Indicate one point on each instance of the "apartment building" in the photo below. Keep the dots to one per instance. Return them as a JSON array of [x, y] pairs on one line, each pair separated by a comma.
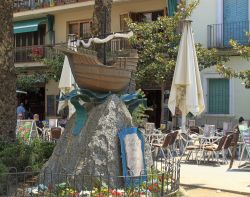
[[215, 22], [39, 24]]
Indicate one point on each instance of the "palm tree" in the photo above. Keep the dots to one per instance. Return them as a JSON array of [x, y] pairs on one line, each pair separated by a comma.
[[101, 21], [7, 72]]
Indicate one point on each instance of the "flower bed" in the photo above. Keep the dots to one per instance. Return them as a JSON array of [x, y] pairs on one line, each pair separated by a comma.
[[161, 181]]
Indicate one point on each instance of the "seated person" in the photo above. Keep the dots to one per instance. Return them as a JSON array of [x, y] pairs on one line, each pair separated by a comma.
[[39, 123], [236, 127]]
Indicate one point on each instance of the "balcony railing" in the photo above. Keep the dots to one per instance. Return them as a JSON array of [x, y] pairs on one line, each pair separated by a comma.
[[117, 47], [31, 53], [23, 5], [219, 35]]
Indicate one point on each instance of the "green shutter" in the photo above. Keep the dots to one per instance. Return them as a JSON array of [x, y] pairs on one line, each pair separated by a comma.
[[172, 5], [218, 96], [235, 21]]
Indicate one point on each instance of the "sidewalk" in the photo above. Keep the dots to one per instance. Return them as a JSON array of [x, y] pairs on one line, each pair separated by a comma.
[[217, 177]]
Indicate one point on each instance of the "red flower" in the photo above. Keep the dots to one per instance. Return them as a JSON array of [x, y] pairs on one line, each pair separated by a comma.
[[116, 193], [50, 187]]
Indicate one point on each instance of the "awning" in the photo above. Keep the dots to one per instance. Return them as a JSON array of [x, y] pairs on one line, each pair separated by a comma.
[[28, 25]]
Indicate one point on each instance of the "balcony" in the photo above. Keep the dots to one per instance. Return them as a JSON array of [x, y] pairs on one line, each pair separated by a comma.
[[219, 35], [23, 5], [31, 53]]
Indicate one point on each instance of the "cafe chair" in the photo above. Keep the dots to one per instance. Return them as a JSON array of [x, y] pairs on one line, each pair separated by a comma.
[[190, 146], [163, 147], [226, 146], [214, 149], [172, 144]]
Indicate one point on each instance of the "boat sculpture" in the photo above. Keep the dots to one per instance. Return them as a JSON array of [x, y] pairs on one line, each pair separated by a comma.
[[90, 73]]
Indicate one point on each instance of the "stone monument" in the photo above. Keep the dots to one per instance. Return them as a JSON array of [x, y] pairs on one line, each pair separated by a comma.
[[96, 150]]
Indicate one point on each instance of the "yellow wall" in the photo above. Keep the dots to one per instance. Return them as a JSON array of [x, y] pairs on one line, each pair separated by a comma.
[[62, 18], [140, 6]]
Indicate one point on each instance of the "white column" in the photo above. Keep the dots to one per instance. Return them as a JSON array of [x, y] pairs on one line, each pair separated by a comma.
[[219, 20], [219, 16]]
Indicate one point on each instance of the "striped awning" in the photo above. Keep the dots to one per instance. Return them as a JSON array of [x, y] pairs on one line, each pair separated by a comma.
[[28, 25]]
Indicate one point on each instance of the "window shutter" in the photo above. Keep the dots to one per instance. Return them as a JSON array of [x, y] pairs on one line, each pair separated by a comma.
[[51, 105], [218, 100], [235, 19], [172, 5], [123, 24]]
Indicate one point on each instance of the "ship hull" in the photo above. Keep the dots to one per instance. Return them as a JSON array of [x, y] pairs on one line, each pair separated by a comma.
[[91, 74]]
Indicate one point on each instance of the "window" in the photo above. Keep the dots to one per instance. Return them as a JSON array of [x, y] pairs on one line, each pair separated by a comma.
[[52, 104], [146, 16], [139, 17], [81, 28], [218, 96], [235, 21], [25, 42], [31, 38], [123, 23]]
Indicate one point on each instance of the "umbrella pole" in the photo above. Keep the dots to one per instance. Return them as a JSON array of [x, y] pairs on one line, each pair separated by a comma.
[[183, 122]]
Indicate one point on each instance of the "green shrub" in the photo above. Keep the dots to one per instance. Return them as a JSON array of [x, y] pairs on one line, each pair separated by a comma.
[[15, 155], [21, 155], [3, 186]]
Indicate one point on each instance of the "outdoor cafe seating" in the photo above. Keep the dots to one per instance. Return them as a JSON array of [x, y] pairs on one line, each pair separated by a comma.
[[208, 144]]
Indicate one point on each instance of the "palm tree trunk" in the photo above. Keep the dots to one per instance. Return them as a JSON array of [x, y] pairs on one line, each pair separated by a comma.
[[101, 22], [7, 72]]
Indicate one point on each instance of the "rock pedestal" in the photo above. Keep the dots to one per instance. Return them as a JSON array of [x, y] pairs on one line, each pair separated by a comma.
[[95, 151]]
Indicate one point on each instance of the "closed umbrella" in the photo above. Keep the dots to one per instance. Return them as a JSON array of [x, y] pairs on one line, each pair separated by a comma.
[[66, 84], [186, 90]]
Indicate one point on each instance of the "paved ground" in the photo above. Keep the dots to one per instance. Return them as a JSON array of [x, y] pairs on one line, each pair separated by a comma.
[[217, 177], [199, 192]]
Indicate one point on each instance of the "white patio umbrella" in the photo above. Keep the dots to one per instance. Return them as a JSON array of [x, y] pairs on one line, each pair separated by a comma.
[[186, 90], [66, 84]]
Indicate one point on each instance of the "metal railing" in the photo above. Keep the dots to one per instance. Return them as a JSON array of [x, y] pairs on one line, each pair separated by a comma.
[[31, 53], [219, 35], [162, 180], [116, 47], [34, 4]]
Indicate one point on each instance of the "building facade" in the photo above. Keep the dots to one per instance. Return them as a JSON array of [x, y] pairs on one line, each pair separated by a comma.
[[215, 22], [38, 25]]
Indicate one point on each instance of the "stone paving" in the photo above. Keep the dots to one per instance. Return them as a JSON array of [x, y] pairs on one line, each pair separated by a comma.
[[216, 177]]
